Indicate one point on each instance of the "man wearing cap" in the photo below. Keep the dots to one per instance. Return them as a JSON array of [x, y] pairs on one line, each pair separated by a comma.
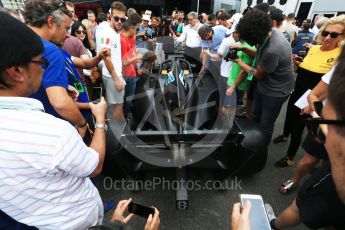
[[144, 33], [53, 29], [45, 166]]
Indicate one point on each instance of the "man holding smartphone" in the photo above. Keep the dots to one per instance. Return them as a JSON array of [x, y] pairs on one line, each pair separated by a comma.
[[119, 219]]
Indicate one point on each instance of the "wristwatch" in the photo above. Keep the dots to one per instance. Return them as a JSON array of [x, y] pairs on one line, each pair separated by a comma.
[[101, 126]]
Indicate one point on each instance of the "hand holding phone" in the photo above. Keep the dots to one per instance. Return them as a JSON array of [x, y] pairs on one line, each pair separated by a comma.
[[120, 210], [140, 210], [153, 221], [318, 105], [297, 58], [240, 217], [98, 93], [257, 217]]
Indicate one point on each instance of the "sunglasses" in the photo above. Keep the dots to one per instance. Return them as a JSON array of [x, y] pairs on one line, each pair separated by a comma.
[[332, 34], [313, 126], [61, 6], [80, 31], [118, 19], [43, 62]]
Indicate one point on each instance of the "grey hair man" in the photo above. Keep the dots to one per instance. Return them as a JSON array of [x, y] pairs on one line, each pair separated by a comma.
[[51, 20], [45, 166], [191, 39]]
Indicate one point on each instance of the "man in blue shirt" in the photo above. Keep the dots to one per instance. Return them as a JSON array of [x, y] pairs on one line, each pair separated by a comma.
[[144, 33], [53, 91], [211, 38]]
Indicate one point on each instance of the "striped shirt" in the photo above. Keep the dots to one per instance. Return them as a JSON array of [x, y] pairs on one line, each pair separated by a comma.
[[44, 168]]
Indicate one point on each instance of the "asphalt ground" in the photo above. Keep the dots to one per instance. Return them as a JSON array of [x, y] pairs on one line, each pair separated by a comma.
[[208, 208]]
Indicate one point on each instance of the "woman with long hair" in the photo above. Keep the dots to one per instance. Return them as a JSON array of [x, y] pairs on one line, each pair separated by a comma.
[[79, 30]]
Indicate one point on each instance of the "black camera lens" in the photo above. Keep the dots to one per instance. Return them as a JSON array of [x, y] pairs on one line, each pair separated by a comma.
[[231, 55]]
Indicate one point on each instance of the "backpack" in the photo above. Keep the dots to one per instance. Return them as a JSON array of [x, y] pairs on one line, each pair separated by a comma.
[[298, 45]]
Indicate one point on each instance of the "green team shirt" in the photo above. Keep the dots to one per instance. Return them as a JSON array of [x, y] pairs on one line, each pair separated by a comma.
[[236, 69]]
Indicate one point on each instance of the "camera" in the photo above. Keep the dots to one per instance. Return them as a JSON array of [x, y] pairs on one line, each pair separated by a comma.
[[147, 34], [231, 55]]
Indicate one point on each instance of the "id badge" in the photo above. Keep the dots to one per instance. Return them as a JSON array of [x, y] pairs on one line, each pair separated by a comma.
[[79, 87]]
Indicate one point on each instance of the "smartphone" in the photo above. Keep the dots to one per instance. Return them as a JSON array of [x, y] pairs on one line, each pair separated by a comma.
[[258, 217], [97, 95], [318, 105], [298, 58], [140, 210]]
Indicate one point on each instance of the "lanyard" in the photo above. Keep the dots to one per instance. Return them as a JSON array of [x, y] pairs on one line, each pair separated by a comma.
[[77, 84], [70, 70], [257, 55]]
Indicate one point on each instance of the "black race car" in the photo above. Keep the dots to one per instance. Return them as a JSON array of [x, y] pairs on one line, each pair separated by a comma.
[[176, 121]]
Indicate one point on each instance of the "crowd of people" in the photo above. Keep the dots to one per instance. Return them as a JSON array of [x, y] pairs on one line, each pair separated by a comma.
[[54, 136]]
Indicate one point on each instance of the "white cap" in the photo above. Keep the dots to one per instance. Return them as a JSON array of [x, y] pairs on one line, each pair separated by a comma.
[[146, 17]]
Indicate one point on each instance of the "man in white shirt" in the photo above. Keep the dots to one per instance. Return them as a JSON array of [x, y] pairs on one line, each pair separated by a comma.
[[190, 34], [225, 20], [235, 19], [108, 35], [192, 39], [45, 166], [290, 28]]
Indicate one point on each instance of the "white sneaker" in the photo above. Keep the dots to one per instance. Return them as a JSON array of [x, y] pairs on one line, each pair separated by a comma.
[[270, 212]]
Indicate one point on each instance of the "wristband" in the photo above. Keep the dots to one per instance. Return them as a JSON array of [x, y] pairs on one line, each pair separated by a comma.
[[82, 126], [101, 126]]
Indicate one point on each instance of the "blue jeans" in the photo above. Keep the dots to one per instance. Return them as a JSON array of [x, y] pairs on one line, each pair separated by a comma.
[[129, 92], [265, 110], [239, 96]]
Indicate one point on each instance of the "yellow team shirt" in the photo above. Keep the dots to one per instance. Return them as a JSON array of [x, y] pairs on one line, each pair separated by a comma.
[[318, 61]]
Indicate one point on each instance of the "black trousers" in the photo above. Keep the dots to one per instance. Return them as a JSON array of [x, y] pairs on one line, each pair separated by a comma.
[[294, 122]]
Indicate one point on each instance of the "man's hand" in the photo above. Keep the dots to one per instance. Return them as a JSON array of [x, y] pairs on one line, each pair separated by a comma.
[[202, 70], [82, 130], [230, 90], [138, 57], [240, 221], [118, 85], [73, 93], [120, 210], [237, 47], [104, 52], [207, 52], [140, 72], [153, 222], [237, 60], [99, 110]]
